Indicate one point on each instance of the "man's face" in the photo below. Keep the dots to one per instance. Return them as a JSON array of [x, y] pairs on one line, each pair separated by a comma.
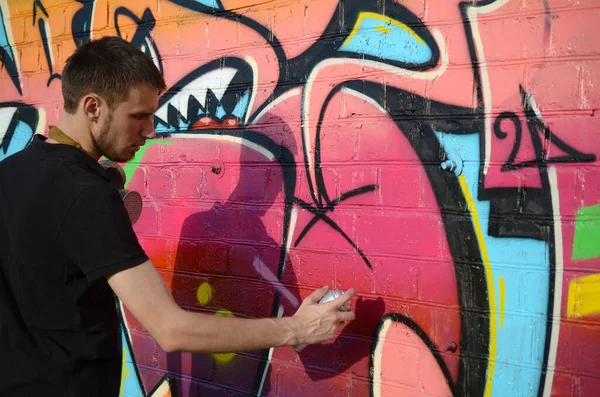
[[128, 125]]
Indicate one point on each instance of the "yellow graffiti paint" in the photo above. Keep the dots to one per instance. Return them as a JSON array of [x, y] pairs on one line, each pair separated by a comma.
[[385, 21], [490, 284], [223, 358], [164, 390], [584, 296], [502, 288], [383, 29], [204, 293], [124, 371]]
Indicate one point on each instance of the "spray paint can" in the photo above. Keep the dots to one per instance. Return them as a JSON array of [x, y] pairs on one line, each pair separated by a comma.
[[328, 297], [131, 199]]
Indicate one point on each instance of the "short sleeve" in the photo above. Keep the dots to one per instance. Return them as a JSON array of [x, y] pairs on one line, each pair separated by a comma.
[[97, 235]]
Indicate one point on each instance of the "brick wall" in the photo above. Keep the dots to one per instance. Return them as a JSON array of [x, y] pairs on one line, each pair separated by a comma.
[[301, 144]]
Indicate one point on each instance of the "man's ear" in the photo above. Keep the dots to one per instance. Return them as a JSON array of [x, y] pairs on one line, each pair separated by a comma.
[[91, 105]]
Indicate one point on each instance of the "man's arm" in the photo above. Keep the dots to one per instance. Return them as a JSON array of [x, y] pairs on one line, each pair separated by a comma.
[[143, 291]]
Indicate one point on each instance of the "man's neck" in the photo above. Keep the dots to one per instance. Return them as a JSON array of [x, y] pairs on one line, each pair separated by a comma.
[[78, 132]]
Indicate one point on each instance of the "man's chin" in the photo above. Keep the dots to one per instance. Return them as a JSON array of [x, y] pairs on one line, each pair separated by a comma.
[[122, 158]]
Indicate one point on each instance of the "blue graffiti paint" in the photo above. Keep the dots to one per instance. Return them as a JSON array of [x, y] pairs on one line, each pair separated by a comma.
[[387, 39], [19, 138], [242, 106], [199, 5], [131, 384], [220, 112], [524, 266], [4, 38], [209, 3], [7, 56]]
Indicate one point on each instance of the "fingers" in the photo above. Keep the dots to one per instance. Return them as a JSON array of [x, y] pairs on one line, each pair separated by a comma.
[[343, 299], [316, 296], [346, 316]]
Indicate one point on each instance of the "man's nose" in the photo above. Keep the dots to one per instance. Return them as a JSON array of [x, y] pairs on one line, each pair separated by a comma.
[[149, 131]]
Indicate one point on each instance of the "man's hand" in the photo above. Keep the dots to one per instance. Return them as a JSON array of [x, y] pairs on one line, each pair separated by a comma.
[[316, 322], [143, 291]]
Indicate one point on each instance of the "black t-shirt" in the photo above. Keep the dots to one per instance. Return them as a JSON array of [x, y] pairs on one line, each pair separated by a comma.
[[63, 229]]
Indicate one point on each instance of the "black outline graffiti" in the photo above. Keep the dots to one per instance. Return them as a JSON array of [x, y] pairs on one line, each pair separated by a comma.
[[45, 40], [536, 127], [529, 208], [470, 274], [81, 25], [242, 82], [24, 113], [7, 58], [514, 212], [321, 214], [288, 167], [399, 318], [274, 43], [172, 384], [142, 37]]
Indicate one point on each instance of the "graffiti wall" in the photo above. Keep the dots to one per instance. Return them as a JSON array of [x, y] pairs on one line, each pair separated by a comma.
[[439, 156]]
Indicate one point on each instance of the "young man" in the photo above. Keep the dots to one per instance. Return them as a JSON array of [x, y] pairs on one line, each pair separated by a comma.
[[66, 245]]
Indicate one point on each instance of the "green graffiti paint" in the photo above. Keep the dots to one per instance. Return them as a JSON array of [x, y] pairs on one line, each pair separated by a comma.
[[132, 166], [587, 233]]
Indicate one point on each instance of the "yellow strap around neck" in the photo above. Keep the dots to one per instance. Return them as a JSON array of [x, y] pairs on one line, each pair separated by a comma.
[[61, 137]]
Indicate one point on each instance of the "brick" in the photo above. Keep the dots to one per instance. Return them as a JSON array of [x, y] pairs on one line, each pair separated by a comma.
[[210, 390], [189, 150], [571, 33], [241, 258], [146, 350], [565, 385], [356, 178], [184, 288], [10, 92], [591, 189], [206, 257], [153, 377], [436, 282], [554, 86], [188, 182], [239, 373], [160, 251], [309, 268], [578, 341], [199, 366], [243, 297], [337, 142], [393, 276], [405, 233], [589, 385], [401, 186], [512, 38], [251, 186], [147, 224], [200, 220], [294, 382], [38, 82], [260, 225], [590, 79], [321, 236], [30, 57], [18, 29], [159, 183]]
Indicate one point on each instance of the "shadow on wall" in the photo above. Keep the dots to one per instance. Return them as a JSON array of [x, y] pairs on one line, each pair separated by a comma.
[[233, 231]]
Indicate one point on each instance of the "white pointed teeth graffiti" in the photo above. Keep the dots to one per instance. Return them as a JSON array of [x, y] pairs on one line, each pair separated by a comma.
[[213, 96]]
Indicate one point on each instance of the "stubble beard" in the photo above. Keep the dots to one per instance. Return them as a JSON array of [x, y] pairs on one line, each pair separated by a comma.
[[104, 141]]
